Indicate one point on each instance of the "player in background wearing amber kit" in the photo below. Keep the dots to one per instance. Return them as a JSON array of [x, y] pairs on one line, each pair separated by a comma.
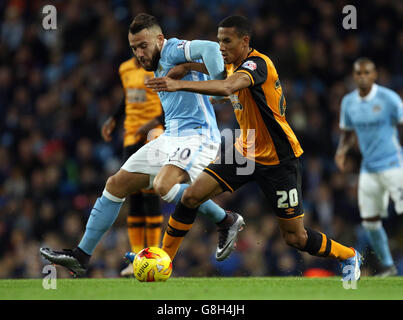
[[142, 113], [266, 140], [372, 114]]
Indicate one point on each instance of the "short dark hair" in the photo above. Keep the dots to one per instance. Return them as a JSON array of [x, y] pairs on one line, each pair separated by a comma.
[[365, 60], [242, 26], [143, 21]]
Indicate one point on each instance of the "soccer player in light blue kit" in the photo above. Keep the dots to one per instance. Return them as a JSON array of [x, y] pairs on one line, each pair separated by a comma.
[[190, 142], [374, 113]]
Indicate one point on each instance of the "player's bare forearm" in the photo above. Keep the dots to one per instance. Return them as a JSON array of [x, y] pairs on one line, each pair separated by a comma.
[[347, 142], [211, 87], [225, 87]]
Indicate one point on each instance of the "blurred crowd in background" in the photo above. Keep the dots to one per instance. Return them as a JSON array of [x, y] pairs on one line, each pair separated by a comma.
[[57, 87]]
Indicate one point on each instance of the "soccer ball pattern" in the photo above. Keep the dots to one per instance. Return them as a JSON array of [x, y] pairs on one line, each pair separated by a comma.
[[152, 264]]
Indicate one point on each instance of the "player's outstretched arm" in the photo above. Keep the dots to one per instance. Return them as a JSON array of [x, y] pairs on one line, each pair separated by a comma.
[[224, 87]]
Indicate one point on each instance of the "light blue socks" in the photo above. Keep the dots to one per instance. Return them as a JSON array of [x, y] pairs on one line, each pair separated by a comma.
[[379, 241], [208, 208], [102, 217]]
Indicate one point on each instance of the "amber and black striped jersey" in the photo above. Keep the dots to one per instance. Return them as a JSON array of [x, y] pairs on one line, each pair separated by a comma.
[[261, 107], [141, 103]]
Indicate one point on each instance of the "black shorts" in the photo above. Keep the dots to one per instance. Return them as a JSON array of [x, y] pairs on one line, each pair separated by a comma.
[[281, 184]]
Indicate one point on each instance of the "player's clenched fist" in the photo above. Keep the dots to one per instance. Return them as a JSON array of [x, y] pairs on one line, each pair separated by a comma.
[[107, 129]]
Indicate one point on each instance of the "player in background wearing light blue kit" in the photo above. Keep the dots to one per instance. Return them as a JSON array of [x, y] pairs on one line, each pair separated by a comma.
[[374, 112], [190, 142]]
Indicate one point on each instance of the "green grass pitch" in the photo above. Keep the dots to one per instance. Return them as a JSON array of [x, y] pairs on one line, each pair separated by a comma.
[[264, 288]]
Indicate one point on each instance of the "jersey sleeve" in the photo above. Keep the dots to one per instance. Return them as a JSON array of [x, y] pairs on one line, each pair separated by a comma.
[[176, 51], [397, 107], [255, 68], [209, 52], [345, 122]]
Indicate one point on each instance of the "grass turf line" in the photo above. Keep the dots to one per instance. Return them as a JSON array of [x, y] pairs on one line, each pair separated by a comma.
[[261, 288]]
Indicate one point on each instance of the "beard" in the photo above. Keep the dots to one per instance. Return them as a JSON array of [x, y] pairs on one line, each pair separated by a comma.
[[153, 66]]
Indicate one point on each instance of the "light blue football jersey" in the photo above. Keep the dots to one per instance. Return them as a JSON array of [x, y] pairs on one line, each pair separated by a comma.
[[185, 111], [374, 119]]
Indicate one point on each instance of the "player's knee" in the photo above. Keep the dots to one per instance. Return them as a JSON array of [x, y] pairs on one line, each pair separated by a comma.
[[190, 198], [112, 184], [160, 187], [115, 186]]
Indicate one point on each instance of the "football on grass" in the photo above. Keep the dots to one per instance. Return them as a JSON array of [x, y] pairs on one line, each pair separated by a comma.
[[152, 264]]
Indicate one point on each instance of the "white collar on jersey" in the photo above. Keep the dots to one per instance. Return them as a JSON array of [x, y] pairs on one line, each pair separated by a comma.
[[370, 94], [163, 45]]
